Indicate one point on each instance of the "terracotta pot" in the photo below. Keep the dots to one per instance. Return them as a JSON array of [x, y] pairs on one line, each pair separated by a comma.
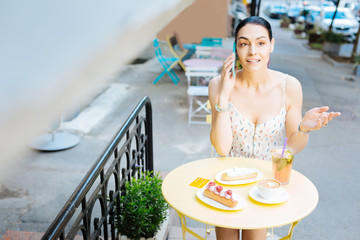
[[298, 31], [284, 25], [314, 37]]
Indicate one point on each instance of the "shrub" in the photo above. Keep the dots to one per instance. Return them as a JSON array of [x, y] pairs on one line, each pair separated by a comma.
[[333, 37], [285, 19], [143, 208]]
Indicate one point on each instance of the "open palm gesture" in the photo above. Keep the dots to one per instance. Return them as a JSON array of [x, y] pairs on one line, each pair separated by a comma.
[[316, 118]]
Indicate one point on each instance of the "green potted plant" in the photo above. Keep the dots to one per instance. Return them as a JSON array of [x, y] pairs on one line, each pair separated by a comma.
[[335, 44], [285, 22], [299, 29], [142, 208], [314, 35], [332, 37]]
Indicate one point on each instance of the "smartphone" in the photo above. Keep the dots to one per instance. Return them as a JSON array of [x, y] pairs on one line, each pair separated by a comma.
[[234, 63]]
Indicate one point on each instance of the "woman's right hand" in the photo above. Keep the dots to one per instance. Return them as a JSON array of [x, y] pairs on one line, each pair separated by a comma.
[[227, 78]]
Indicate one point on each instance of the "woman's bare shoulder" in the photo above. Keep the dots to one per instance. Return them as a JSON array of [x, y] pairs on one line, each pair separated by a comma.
[[292, 84], [293, 92], [214, 84], [214, 88]]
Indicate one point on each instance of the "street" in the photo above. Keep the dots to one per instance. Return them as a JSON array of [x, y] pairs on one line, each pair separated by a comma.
[[40, 183]]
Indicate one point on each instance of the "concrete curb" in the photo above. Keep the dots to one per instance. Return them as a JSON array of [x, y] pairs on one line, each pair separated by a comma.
[[335, 63], [163, 233], [97, 110]]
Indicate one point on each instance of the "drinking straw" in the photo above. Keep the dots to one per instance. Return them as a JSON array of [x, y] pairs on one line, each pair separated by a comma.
[[282, 154]]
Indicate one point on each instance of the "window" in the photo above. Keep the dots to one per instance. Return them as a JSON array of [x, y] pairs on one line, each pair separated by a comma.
[[339, 15]]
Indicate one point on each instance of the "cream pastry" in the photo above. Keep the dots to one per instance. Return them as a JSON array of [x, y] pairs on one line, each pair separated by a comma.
[[236, 173], [221, 195]]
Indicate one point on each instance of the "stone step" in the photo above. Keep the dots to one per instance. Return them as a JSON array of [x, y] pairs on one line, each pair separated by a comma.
[[21, 235], [175, 233]]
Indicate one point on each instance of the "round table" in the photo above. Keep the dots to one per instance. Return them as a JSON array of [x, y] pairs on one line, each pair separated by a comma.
[[303, 196]]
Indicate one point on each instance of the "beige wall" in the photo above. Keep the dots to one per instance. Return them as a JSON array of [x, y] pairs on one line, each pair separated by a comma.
[[204, 18]]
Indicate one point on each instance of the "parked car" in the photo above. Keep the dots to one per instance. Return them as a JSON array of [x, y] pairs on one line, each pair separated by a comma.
[[294, 12], [344, 22], [275, 10], [238, 12], [311, 15], [353, 6], [304, 14], [347, 4], [327, 3]]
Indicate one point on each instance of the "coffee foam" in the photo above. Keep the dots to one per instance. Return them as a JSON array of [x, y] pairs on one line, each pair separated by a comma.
[[268, 183]]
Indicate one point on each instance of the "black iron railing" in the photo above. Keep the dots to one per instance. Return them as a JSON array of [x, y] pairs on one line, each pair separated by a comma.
[[90, 211]]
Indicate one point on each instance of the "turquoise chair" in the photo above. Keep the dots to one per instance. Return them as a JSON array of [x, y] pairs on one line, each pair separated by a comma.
[[167, 63], [205, 42], [211, 42]]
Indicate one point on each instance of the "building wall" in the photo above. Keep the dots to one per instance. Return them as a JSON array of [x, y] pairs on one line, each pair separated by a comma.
[[204, 18]]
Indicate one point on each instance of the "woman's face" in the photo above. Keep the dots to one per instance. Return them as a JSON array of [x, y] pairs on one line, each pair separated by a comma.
[[254, 47]]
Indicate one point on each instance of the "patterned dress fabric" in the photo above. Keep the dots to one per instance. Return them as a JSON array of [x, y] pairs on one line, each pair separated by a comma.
[[256, 141]]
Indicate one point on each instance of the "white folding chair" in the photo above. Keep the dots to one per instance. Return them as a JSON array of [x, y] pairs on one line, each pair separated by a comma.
[[198, 95], [203, 51], [212, 52]]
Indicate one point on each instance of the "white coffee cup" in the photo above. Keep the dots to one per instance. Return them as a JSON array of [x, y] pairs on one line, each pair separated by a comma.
[[269, 188]]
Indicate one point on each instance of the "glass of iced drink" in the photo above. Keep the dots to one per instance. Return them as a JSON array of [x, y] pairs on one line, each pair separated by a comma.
[[282, 164]]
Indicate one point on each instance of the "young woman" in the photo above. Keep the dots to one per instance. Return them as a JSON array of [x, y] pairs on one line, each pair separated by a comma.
[[254, 111]]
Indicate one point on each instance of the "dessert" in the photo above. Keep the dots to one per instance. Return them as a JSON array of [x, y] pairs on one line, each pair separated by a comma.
[[236, 173], [221, 195]]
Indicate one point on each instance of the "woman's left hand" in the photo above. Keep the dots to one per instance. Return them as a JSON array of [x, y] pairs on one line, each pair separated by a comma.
[[316, 118]]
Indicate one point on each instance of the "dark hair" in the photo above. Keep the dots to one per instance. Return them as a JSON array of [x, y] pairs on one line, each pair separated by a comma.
[[254, 20]]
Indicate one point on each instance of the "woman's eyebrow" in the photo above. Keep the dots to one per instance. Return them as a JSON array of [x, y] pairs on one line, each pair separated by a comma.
[[245, 38]]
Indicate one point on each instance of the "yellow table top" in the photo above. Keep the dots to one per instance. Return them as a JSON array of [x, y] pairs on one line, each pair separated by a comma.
[[303, 195]]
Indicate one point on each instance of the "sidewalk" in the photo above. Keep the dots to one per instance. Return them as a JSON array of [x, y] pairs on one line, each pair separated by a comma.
[[38, 186]]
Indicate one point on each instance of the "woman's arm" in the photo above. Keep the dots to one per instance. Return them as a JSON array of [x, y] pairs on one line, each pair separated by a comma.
[[294, 98], [221, 133], [219, 94], [314, 119]]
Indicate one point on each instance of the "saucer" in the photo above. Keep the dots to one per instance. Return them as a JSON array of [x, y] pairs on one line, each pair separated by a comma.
[[283, 196]]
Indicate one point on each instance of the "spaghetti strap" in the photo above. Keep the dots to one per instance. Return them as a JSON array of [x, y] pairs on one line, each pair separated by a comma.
[[283, 95]]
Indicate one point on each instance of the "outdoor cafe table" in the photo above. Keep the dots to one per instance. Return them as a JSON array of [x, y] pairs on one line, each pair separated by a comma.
[[176, 189]]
